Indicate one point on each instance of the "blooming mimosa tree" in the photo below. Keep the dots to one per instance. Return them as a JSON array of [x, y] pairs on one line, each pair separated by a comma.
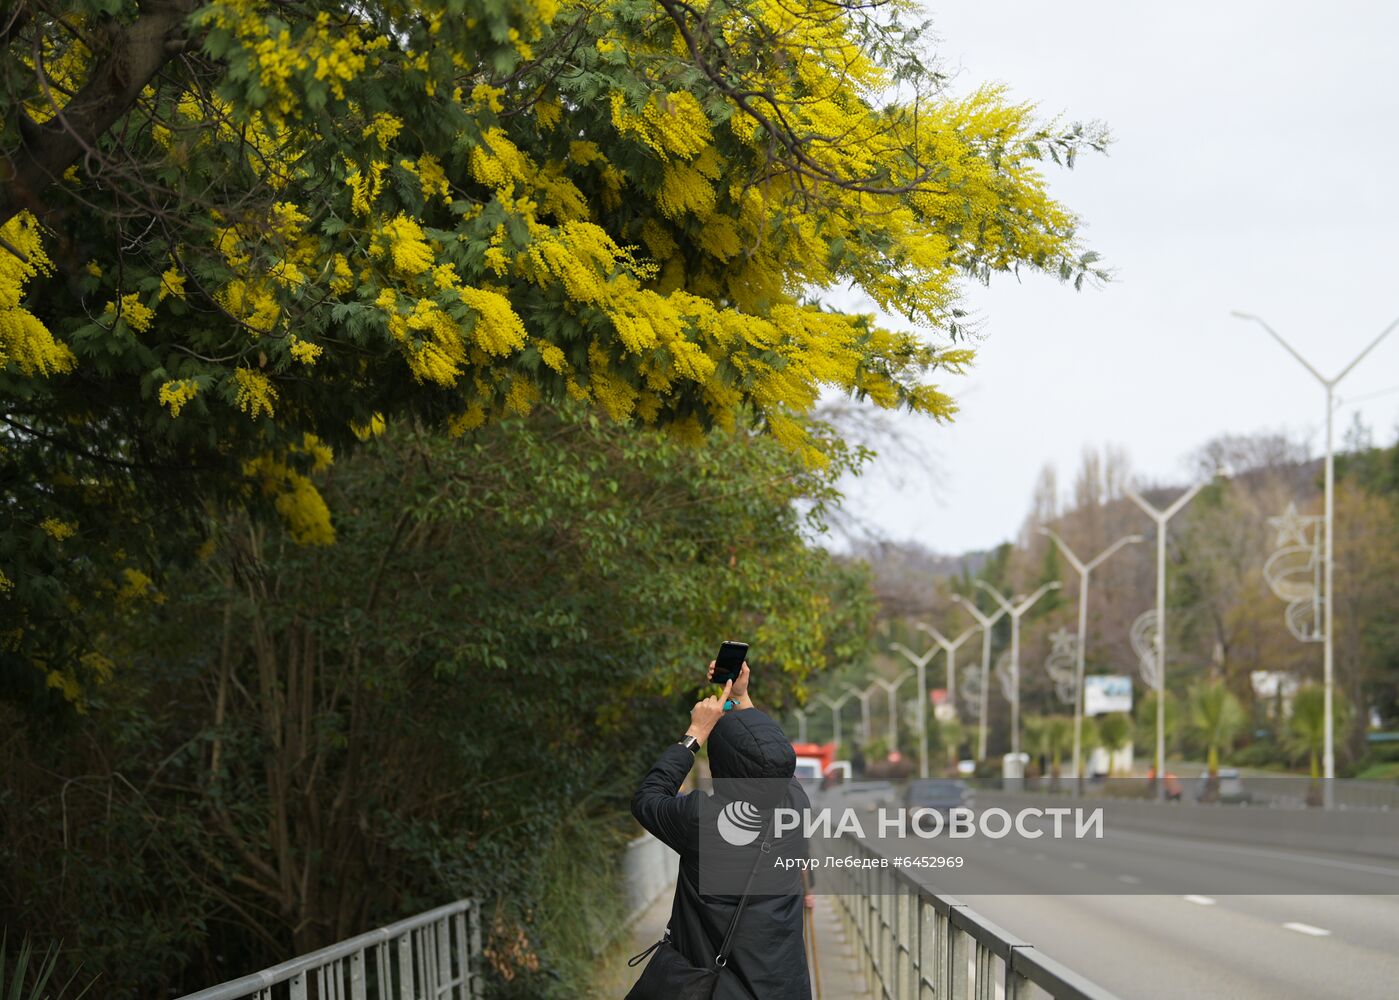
[[237, 237]]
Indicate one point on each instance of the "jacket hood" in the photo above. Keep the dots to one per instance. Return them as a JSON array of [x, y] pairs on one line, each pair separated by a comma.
[[749, 744]]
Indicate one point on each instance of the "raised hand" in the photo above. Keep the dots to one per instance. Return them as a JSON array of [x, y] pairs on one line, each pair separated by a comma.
[[706, 714], [740, 683]]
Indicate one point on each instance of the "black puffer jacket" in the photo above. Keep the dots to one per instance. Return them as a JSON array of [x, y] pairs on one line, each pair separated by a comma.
[[767, 960]]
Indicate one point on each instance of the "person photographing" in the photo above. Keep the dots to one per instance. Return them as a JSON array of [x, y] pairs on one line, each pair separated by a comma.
[[731, 946]]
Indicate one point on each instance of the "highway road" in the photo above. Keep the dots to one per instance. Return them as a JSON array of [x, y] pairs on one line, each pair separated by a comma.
[[1143, 916], [1239, 947], [1147, 926]]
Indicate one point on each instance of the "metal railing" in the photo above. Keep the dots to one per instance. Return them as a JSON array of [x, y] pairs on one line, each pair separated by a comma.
[[912, 944], [433, 956]]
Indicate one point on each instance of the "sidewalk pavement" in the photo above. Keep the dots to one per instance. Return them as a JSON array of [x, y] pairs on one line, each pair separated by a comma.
[[839, 976]]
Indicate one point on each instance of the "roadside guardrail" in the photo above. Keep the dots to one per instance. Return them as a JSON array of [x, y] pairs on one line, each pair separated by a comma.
[[914, 944], [435, 954]]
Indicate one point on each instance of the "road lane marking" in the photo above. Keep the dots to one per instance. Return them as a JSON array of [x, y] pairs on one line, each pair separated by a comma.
[[1200, 900], [1202, 845], [1308, 929], [1129, 879]]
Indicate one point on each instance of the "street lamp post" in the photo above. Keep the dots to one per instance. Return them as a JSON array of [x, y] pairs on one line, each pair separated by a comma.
[[834, 704], [891, 687], [920, 663], [985, 623], [1085, 570], [950, 648], [800, 713], [1328, 755], [1015, 611], [864, 697], [1162, 519]]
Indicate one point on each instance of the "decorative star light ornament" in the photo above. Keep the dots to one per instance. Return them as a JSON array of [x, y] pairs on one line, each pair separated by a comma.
[[1294, 572], [1143, 637], [970, 688], [1062, 664], [1291, 526], [1005, 671]]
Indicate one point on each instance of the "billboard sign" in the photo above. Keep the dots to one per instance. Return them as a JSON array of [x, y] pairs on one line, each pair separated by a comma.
[[1106, 693]]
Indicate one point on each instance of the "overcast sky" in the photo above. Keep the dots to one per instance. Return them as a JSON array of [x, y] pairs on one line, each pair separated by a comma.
[[1254, 168]]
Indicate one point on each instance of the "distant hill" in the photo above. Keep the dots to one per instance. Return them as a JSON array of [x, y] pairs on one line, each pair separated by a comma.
[[904, 572]]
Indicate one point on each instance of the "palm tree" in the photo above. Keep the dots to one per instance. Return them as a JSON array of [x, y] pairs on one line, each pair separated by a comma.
[[1307, 728], [1092, 739], [949, 736], [1115, 731], [1215, 717], [1146, 722]]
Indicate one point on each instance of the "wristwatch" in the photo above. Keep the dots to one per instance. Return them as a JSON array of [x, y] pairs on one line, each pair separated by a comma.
[[690, 743]]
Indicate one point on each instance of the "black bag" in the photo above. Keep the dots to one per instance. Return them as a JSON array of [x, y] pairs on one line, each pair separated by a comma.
[[670, 976]]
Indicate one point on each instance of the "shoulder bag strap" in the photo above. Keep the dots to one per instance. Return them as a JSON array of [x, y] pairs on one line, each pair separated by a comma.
[[722, 958]]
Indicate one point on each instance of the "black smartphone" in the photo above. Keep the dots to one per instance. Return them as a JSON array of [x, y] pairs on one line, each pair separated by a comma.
[[729, 663]]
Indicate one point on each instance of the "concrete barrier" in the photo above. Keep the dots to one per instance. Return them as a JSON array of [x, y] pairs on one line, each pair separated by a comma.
[[648, 870]]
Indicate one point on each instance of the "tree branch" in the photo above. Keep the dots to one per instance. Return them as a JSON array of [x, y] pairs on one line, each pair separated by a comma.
[[129, 59]]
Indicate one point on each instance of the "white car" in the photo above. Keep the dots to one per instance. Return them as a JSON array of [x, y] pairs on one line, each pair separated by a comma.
[[1231, 786]]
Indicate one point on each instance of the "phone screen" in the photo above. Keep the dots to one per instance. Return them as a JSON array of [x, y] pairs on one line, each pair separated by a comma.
[[729, 662]]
